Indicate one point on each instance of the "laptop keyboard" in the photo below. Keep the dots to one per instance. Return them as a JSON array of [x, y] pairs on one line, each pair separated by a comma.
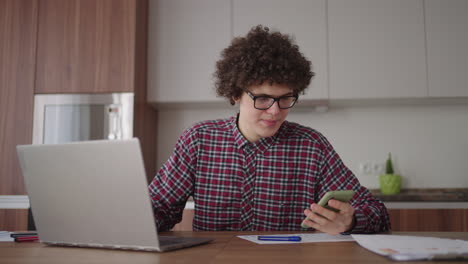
[[170, 240]]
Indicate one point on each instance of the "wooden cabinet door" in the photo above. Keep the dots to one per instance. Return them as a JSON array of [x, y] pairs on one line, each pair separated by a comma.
[[429, 220], [18, 29], [377, 49], [447, 39], [437, 220], [14, 219], [305, 20], [18, 25], [85, 46]]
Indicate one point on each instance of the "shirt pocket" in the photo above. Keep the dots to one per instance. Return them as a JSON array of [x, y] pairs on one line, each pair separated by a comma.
[[293, 215], [278, 214], [216, 214]]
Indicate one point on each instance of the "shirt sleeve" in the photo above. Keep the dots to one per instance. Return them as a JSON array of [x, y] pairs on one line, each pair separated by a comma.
[[173, 184], [370, 213]]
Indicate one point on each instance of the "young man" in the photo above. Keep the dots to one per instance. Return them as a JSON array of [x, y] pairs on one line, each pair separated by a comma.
[[255, 170]]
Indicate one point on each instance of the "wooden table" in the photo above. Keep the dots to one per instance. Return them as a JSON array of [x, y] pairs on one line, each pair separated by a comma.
[[227, 248]]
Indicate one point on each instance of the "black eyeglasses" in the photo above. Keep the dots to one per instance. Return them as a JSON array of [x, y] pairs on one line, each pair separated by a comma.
[[263, 102]]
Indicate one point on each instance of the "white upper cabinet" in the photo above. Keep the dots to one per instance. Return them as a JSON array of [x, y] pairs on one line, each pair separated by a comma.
[[359, 49], [447, 42], [186, 38], [305, 20], [376, 49]]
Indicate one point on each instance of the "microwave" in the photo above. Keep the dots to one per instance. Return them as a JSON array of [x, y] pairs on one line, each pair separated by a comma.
[[62, 118]]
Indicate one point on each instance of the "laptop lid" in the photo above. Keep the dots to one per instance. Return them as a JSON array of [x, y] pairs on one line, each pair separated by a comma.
[[90, 193]]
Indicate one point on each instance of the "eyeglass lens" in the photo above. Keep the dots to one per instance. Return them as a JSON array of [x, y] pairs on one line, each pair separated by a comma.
[[265, 102]]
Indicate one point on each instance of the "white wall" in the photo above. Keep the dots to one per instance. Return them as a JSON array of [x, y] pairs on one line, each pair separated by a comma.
[[429, 143]]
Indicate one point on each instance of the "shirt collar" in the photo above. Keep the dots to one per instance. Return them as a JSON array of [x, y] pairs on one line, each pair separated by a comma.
[[238, 137], [261, 145]]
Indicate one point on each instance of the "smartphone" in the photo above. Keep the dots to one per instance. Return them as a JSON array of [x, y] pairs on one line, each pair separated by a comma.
[[343, 196]]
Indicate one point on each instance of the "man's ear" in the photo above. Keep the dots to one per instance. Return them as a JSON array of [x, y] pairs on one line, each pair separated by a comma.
[[234, 100]]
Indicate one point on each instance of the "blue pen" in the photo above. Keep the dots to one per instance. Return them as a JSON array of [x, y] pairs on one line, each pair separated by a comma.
[[279, 238]]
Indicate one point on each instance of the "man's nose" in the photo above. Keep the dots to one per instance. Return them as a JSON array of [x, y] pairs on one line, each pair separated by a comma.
[[274, 109]]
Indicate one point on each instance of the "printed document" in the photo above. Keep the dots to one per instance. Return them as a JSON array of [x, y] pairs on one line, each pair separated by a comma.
[[404, 248]]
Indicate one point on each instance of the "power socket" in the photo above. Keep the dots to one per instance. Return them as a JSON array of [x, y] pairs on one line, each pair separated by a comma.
[[371, 168]]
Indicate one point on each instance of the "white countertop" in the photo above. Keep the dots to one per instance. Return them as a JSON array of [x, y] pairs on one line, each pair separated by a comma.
[[22, 202], [14, 202], [426, 205], [402, 205]]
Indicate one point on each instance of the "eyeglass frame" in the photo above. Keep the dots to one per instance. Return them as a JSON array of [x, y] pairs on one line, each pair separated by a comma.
[[275, 100]]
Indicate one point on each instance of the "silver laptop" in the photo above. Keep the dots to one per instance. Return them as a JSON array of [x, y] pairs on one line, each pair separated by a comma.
[[93, 194]]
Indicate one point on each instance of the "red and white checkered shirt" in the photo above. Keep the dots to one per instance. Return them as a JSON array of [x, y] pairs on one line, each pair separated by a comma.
[[239, 185]]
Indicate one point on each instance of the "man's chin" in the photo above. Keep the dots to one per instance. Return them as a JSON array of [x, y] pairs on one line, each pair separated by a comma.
[[269, 133]]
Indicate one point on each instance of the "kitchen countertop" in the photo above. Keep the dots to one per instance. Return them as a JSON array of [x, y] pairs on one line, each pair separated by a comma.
[[447, 198], [425, 195], [428, 198]]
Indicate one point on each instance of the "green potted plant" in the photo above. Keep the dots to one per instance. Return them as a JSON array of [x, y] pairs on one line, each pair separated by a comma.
[[390, 183]]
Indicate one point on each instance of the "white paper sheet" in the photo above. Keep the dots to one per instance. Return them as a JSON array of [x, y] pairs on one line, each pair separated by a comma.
[[5, 236], [413, 247], [305, 238]]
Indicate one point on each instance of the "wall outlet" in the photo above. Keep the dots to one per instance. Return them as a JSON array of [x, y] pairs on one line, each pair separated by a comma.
[[371, 168], [378, 168], [365, 168]]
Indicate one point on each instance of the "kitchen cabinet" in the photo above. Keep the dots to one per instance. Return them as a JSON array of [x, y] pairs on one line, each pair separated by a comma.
[[18, 28], [304, 20], [360, 49], [429, 220], [376, 49], [447, 39], [13, 219], [68, 47], [447, 220], [86, 46], [186, 40], [17, 57]]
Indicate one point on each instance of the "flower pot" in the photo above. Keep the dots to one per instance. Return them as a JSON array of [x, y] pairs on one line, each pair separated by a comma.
[[390, 183]]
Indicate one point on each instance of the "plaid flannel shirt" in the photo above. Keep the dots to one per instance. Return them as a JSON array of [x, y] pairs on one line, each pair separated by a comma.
[[239, 185]]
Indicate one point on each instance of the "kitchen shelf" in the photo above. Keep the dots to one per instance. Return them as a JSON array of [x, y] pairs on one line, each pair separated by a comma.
[[425, 195]]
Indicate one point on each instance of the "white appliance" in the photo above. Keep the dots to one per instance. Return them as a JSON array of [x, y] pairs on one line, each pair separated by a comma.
[[62, 118]]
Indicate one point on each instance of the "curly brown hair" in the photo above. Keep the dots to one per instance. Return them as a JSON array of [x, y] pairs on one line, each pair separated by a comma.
[[258, 57]]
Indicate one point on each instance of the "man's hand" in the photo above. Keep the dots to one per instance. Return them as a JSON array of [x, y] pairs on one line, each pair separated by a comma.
[[328, 221]]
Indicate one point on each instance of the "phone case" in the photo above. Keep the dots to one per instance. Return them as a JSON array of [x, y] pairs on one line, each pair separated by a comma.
[[343, 196]]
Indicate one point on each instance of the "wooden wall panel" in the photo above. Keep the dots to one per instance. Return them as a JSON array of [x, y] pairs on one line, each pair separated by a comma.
[[18, 28], [450, 220], [85, 46], [145, 116], [14, 219]]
